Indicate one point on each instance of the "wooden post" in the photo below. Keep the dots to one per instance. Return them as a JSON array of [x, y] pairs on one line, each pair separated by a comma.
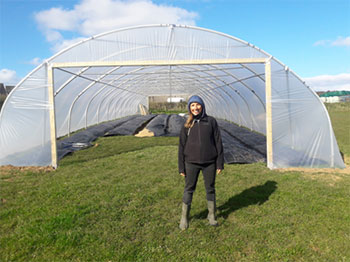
[[52, 116], [268, 114], [161, 62]]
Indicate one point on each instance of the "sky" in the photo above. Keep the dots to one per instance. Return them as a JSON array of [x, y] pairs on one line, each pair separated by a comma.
[[311, 37]]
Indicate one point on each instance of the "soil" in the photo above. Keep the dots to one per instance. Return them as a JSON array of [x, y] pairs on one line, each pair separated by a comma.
[[5, 170], [329, 175], [345, 170]]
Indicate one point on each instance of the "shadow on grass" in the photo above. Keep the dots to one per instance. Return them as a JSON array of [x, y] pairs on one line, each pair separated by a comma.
[[256, 195]]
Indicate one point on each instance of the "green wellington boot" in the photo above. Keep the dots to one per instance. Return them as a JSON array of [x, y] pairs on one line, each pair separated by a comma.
[[185, 216], [211, 214]]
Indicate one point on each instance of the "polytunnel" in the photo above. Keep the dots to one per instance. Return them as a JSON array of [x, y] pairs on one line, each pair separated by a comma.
[[109, 76]]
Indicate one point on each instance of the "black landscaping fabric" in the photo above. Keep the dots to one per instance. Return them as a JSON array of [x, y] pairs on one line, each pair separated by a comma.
[[240, 144], [83, 139], [166, 125], [175, 124], [130, 127], [158, 125]]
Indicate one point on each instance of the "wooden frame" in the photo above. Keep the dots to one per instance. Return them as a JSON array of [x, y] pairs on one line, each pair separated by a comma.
[[161, 62], [269, 147], [50, 70], [53, 132]]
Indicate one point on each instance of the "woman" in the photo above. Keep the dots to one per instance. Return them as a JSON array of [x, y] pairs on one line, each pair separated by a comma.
[[200, 148]]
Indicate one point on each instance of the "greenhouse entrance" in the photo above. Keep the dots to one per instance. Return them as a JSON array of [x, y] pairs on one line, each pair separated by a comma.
[[104, 84]]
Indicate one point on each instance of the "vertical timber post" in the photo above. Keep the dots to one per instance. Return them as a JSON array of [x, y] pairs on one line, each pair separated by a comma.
[[52, 116], [268, 114]]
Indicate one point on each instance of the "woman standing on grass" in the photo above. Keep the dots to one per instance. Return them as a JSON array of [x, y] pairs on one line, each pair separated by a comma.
[[200, 148]]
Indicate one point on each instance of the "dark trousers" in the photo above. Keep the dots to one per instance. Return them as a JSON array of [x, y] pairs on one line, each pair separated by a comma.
[[192, 172]]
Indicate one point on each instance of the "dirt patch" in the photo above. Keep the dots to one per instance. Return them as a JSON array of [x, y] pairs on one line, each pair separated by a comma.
[[340, 171], [329, 175], [330, 179], [345, 171], [9, 169]]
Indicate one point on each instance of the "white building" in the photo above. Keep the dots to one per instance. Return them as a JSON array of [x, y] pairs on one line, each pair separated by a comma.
[[335, 99]]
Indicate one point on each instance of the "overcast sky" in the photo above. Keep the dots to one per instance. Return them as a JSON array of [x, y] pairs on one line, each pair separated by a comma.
[[312, 37]]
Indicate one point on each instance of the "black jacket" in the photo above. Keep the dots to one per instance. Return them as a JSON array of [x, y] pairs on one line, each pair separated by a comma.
[[201, 144]]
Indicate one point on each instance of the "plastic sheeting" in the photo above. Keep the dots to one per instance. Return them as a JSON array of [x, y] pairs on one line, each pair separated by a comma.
[[108, 76]]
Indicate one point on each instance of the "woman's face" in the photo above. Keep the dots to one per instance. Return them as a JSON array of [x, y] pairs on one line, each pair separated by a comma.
[[195, 109]]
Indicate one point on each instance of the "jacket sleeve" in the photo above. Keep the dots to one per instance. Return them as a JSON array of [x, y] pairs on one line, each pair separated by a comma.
[[181, 156], [219, 147]]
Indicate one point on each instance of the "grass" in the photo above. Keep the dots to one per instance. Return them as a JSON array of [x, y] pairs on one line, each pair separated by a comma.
[[121, 201], [340, 116], [168, 112]]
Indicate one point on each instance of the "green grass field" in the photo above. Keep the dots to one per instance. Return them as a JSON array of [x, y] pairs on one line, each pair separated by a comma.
[[121, 201], [340, 117]]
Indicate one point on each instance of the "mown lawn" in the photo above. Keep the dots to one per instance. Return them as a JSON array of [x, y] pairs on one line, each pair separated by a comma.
[[340, 117], [121, 201]]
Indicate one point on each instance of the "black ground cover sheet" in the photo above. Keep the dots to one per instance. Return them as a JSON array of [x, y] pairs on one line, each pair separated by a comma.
[[130, 127], [166, 125], [240, 144], [83, 139]]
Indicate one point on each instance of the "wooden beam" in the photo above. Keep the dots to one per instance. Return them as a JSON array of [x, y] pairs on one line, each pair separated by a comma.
[[269, 146], [52, 117], [160, 62]]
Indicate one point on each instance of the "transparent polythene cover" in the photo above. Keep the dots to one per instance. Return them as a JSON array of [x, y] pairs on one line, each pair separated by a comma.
[[85, 95]]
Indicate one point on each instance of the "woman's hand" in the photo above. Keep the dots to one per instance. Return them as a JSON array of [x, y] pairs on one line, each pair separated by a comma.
[[218, 171], [182, 174]]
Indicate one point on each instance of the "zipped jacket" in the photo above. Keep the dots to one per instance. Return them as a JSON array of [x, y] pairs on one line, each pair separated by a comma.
[[201, 144]]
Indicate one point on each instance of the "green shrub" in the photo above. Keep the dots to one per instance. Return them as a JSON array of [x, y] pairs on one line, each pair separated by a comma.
[[165, 107]]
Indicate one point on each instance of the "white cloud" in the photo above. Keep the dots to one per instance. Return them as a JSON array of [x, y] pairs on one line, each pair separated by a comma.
[[329, 82], [35, 61], [53, 36], [91, 17], [58, 46], [57, 19], [322, 43], [340, 41], [8, 77]]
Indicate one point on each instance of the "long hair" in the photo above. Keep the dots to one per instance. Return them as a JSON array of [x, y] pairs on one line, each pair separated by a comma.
[[189, 121]]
